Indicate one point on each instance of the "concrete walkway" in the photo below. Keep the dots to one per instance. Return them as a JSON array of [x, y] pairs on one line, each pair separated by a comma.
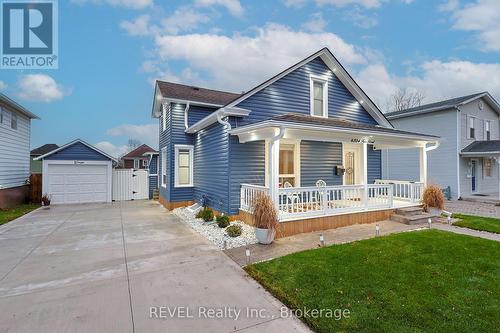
[[467, 231], [473, 208], [301, 242], [102, 267]]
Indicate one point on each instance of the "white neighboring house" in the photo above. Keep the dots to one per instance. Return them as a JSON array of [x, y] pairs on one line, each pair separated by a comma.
[[15, 133], [468, 159]]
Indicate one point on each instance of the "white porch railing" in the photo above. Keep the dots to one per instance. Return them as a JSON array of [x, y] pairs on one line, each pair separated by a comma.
[[248, 193], [329, 200], [404, 190]]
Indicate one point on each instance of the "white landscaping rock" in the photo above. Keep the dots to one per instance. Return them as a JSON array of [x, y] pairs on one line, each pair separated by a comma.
[[215, 234]]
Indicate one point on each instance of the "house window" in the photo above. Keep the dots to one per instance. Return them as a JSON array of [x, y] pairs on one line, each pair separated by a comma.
[[319, 97], [145, 163], [164, 167], [13, 121], [487, 167], [136, 164], [183, 166], [487, 130], [472, 133]]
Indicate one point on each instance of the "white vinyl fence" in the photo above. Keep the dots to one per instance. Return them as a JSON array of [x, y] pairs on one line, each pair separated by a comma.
[[130, 184]]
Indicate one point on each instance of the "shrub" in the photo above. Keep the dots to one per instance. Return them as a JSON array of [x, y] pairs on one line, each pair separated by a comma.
[[206, 214], [264, 212], [234, 230], [433, 198], [46, 200], [222, 221]]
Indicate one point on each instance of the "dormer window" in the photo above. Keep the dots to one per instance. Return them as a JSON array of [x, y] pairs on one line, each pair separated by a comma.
[[319, 97]]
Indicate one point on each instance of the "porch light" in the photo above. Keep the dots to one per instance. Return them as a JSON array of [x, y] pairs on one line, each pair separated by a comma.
[[377, 230], [429, 220], [322, 239], [449, 219], [247, 254], [361, 102]]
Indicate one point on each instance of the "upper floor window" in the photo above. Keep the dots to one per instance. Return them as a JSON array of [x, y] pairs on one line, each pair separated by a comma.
[[164, 167], [487, 132], [183, 165], [13, 120], [472, 131], [319, 97]]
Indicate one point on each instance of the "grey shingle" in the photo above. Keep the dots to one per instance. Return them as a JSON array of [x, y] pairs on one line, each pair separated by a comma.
[[483, 147], [195, 94]]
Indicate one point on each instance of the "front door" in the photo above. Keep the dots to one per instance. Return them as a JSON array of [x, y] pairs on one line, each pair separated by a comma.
[[473, 174], [350, 167]]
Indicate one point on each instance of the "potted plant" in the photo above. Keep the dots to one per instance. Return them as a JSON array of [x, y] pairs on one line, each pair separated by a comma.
[[265, 218], [433, 200], [46, 200]]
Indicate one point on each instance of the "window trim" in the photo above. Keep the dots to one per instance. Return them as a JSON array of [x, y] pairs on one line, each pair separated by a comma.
[[190, 148], [487, 130], [469, 118], [484, 168], [296, 160], [324, 81], [164, 116], [136, 163], [163, 173]]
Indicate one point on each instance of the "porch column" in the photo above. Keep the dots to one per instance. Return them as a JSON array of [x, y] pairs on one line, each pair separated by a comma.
[[365, 172], [423, 165], [274, 154]]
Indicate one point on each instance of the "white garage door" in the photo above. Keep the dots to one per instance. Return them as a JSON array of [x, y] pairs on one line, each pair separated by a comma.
[[70, 183]]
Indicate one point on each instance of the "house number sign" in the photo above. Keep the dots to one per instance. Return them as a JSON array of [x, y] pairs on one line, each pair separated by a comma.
[[364, 140]]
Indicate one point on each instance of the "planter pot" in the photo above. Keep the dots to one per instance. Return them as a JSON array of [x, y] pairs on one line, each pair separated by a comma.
[[264, 236], [435, 211]]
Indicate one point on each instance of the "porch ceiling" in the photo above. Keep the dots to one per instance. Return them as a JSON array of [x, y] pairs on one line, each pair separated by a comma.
[[333, 130]]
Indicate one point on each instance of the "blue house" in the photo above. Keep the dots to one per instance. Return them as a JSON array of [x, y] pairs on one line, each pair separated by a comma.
[[309, 137]]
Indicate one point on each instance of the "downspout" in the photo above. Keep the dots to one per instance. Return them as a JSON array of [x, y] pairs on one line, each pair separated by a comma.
[[186, 122], [459, 132], [223, 122], [435, 146], [273, 167]]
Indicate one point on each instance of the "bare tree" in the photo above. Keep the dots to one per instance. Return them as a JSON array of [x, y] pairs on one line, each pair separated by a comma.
[[133, 144], [403, 99]]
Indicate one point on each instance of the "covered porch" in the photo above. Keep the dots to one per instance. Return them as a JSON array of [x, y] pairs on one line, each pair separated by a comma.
[[352, 187]]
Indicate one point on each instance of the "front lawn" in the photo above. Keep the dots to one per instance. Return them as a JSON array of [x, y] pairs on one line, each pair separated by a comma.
[[478, 223], [424, 281], [7, 215]]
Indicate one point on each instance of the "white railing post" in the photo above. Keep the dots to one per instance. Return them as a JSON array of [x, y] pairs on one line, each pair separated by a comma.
[[391, 198]]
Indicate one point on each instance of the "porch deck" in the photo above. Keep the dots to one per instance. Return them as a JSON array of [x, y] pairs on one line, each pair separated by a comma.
[[309, 202]]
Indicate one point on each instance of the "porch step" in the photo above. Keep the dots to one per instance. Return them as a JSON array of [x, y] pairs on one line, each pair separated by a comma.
[[409, 211], [156, 194], [412, 219]]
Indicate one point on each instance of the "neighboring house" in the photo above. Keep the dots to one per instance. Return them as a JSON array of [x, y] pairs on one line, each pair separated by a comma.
[[137, 158], [36, 165], [291, 137], [77, 172], [469, 156], [15, 132]]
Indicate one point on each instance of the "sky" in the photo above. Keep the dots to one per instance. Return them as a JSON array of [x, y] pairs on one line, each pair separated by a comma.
[[112, 51]]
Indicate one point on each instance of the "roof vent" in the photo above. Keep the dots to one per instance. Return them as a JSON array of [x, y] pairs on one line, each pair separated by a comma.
[[195, 88]]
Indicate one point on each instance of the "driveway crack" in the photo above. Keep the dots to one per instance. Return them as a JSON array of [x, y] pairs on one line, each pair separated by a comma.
[[126, 270]]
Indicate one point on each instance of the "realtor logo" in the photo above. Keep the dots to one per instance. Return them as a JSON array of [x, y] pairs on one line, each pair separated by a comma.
[[29, 34]]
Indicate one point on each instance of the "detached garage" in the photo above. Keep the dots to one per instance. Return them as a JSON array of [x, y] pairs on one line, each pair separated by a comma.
[[77, 173]]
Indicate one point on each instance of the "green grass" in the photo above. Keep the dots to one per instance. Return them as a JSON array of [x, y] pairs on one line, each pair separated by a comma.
[[425, 281], [478, 223], [7, 215]]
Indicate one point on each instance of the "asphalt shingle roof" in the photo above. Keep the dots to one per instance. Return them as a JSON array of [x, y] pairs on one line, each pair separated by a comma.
[[338, 122], [195, 94], [483, 147], [139, 151], [42, 150], [446, 104]]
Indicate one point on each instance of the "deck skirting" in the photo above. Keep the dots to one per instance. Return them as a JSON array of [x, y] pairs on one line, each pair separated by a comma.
[[290, 228]]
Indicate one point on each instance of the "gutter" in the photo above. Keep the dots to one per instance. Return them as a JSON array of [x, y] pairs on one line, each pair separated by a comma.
[[218, 116]]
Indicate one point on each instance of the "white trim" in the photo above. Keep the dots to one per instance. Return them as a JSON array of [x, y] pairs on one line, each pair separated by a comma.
[[163, 171], [70, 144], [358, 162], [216, 116], [339, 71], [164, 116], [190, 148], [480, 154], [45, 173], [186, 117], [137, 163], [324, 82], [473, 118], [459, 143]]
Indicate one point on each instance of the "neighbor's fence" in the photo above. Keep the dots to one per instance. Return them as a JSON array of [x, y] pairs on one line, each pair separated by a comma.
[[35, 188]]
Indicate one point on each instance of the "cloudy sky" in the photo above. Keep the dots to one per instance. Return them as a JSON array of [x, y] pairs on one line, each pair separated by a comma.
[[111, 51]]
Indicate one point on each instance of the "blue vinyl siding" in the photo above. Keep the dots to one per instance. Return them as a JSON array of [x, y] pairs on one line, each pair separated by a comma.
[[318, 160], [153, 185], [211, 176], [291, 94], [78, 151], [374, 164], [153, 165], [197, 113], [247, 165]]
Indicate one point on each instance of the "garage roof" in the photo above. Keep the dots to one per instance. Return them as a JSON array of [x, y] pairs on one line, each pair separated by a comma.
[[75, 142]]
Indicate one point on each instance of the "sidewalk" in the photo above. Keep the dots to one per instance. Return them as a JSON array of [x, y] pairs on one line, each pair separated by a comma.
[[467, 231], [473, 208], [301, 242]]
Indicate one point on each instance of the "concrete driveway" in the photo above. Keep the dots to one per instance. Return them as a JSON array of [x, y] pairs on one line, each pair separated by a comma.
[[102, 267]]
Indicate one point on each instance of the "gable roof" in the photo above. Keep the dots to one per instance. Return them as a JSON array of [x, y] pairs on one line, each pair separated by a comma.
[[444, 105], [72, 143], [139, 151], [183, 92], [482, 147], [44, 149], [336, 67], [14, 105]]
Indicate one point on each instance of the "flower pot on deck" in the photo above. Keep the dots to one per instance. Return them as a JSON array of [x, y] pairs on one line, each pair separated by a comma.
[[265, 236]]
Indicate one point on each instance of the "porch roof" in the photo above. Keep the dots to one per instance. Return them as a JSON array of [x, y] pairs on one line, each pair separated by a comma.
[[482, 148], [332, 129]]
